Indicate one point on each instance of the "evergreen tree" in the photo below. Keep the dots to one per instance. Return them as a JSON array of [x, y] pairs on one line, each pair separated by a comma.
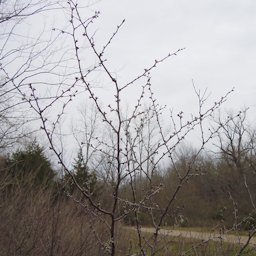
[[86, 178], [31, 164]]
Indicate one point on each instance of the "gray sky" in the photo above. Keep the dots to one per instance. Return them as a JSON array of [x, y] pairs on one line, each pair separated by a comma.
[[219, 37]]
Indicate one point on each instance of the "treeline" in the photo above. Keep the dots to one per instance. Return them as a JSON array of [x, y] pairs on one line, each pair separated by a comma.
[[217, 194], [219, 188], [46, 213]]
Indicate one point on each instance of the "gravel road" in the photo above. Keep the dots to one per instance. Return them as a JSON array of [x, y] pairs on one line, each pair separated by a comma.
[[202, 235]]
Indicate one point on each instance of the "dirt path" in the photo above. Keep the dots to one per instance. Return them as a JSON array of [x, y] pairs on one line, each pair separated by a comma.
[[203, 236]]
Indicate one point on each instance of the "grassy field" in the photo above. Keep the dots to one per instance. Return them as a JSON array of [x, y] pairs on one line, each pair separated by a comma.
[[168, 245]]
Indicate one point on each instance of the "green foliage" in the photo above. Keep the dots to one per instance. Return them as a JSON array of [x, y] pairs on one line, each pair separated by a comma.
[[220, 214], [86, 178], [249, 223], [31, 164]]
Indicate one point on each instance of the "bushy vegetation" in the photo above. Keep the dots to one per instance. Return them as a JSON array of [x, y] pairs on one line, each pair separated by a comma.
[[215, 195], [37, 216]]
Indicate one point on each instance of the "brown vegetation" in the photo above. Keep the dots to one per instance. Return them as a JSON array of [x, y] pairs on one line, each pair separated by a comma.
[[41, 221]]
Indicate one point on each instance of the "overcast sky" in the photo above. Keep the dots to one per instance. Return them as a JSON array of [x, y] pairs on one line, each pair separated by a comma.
[[219, 37]]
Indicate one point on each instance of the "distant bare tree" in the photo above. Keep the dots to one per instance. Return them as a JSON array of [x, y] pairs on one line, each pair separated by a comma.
[[236, 143], [23, 59], [14, 10], [236, 140]]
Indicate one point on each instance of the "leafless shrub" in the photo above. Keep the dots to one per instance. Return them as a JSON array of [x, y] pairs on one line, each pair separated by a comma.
[[38, 221], [136, 143]]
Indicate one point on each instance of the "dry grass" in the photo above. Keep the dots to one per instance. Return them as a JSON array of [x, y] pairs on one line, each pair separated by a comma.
[[44, 222], [33, 222]]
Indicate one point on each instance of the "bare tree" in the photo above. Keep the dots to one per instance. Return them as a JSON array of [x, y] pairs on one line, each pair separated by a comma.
[[124, 146], [23, 56], [16, 9], [236, 143], [133, 143], [237, 146], [236, 140]]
